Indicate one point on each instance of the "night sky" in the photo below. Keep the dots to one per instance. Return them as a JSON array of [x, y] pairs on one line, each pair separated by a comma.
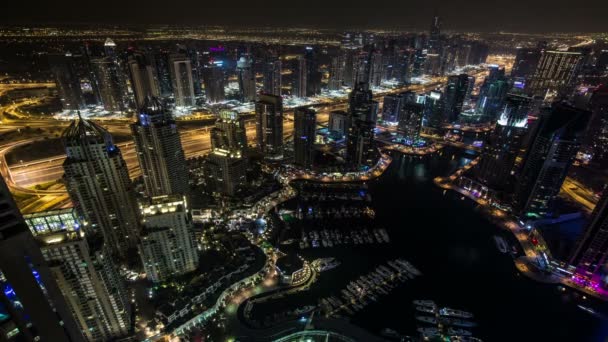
[[475, 15]]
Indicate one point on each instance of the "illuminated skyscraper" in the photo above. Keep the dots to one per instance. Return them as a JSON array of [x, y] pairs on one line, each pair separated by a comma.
[[144, 81], [497, 163], [269, 112], [86, 274], [555, 142], [110, 82], [299, 78], [167, 246], [410, 121], [182, 81], [434, 110], [597, 137], [229, 133], [492, 93], [339, 121], [213, 78], [98, 182], [554, 72], [454, 96], [246, 77], [435, 34], [272, 76], [305, 125], [67, 81], [363, 112], [163, 70], [35, 307], [159, 150], [391, 108], [375, 66]]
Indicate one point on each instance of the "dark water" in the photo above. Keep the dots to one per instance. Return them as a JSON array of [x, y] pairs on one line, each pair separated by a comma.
[[452, 244]]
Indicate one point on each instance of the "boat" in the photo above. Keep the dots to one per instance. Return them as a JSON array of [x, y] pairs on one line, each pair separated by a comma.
[[455, 313], [427, 319], [326, 264], [386, 332], [458, 332], [457, 322], [425, 303], [426, 309], [501, 244], [428, 330]]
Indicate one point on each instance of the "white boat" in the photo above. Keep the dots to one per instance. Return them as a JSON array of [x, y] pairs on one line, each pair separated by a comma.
[[459, 332], [326, 264], [427, 309], [457, 322]]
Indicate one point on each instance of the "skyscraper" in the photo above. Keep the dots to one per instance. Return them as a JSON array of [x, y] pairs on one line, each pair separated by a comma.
[[163, 70], [299, 78], [32, 300], [97, 180], [597, 136], [375, 68], [434, 110], [305, 125], [167, 246], [180, 68], [67, 81], [340, 122], [360, 149], [492, 93], [86, 275], [526, 60], [555, 142], [109, 80], [159, 150], [225, 172], [213, 78], [229, 133], [144, 80], [269, 111], [435, 34], [246, 78], [589, 255], [272, 76], [313, 75], [454, 96], [391, 109], [497, 163], [554, 72], [410, 121], [336, 73]]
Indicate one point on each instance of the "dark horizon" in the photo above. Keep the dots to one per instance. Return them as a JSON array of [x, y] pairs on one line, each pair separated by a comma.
[[476, 16]]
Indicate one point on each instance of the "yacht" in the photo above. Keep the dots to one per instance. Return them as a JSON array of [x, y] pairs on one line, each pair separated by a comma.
[[425, 303], [427, 319], [455, 313]]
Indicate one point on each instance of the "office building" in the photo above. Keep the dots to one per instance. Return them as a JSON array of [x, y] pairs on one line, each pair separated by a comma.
[[597, 135], [67, 81], [85, 273], [225, 172], [163, 70], [455, 94], [336, 72], [497, 164], [360, 148], [213, 78], [554, 72], [299, 78], [313, 75], [167, 246], [97, 180], [526, 60], [492, 93], [589, 255], [410, 121], [434, 113], [110, 83], [554, 144], [272, 76], [375, 68], [435, 34], [269, 130], [305, 124], [159, 150], [391, 109], [246, 78], [34, 306], [229, 133], [180, 67], [339, 121], [144, 81]]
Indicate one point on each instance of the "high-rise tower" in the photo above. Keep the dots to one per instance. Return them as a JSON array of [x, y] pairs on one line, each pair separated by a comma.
[[305, 125], [269, 111]]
